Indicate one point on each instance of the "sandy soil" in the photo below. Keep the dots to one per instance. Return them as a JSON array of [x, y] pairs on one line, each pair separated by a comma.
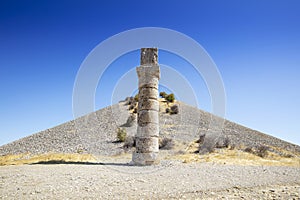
[[170, 180]]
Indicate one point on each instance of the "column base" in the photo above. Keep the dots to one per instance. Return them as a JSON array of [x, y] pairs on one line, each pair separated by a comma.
[[143, 159]]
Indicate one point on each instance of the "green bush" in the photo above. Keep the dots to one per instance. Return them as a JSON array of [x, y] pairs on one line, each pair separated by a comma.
[[162, 94], [121, 134], [136, 97], [170, 97]]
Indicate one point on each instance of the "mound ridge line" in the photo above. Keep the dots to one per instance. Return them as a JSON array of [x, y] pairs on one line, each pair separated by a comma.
[[95, 132]]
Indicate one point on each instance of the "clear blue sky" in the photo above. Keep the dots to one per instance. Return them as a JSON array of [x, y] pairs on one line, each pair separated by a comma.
[[255, 44]]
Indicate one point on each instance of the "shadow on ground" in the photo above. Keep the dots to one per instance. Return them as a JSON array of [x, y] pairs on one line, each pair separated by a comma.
[[55, 162]]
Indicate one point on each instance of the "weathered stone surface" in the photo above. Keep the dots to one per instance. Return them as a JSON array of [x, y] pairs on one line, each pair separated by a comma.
[[148, 71], [147, 82], [145, 158], [148, 93], [147, 116], [146, 145], [148, 104], [149, 85], [149, 56], [148, 119], [149, 130]]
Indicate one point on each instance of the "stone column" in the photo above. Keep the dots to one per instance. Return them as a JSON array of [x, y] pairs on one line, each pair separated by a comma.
[[148, 119]]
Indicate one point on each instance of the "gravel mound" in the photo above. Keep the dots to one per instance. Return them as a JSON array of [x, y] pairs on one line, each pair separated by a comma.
[[95, 133]]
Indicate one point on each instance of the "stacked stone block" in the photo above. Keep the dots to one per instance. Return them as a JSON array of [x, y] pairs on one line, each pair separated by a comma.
[[148, 117]]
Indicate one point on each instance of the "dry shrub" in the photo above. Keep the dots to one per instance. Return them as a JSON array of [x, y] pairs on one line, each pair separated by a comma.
[[201, 138], [227, 142], [130, 120], [223, 143], [232, 147], [166, 143], [128, 100], [210, 145], [131, 101], [180, 152], [174, 109], [287, 155], [262, 151], [248, 150], [121, 134], [204, 149], [206, 145], [135, 110], [129, 142], [167, 110], [131, 107]]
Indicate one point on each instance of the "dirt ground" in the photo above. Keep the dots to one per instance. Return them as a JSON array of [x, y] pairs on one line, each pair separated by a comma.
[[169, 180]]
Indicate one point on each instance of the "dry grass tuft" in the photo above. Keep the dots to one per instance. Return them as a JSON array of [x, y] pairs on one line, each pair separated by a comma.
[[237, 157], [51, 157]]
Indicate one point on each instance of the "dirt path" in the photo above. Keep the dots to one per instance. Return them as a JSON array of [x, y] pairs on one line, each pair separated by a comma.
[[170, 180]]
